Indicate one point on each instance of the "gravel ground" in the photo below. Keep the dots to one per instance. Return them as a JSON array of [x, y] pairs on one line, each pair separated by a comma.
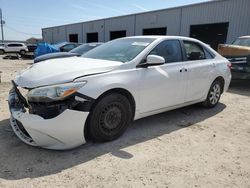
[[188, 147]]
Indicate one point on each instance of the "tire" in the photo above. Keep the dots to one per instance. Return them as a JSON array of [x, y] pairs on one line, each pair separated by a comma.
[[2, 52], [109, 118], [213, 95], [22, 52]]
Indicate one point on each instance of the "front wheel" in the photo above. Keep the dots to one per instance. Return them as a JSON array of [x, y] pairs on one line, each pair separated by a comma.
[[109, 118], [214, 94], [1, 52]]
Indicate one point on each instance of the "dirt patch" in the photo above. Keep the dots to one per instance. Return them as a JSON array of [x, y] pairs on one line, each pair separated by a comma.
[[188, 147]]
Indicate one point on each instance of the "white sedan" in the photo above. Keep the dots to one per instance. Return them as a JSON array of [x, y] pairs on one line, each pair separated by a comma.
[[101, 92]]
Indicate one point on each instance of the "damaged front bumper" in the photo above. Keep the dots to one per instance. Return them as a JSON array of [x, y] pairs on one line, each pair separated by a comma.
[[65, 131]]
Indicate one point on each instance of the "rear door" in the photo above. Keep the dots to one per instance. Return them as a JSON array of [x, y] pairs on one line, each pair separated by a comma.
[[200, 66], [13, 47], [164, 85]]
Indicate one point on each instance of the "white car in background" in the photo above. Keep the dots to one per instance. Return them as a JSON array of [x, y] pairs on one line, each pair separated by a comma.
[[20, 48], [101, 92], [1, 48]]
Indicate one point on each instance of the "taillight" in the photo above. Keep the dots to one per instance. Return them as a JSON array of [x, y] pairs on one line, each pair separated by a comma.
[[229, 65]]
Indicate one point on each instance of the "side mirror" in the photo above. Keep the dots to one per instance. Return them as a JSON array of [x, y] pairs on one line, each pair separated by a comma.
[[155, 60], [152, 60]]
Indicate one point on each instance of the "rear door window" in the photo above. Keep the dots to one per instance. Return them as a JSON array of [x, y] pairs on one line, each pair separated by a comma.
[[194, 51]]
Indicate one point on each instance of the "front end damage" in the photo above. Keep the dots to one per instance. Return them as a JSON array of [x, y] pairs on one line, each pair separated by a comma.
[[55, 125]]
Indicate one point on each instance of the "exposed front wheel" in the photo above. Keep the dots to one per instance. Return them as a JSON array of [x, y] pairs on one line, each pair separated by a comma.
[[214, 94], [109, 118], [1, 52]]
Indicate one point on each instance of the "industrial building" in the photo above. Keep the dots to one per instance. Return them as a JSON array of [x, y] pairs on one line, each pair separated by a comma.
[[213, 22]]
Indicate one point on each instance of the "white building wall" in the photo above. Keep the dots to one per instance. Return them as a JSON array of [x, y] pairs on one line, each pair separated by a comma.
[[59, 34], [177, 21], [236, 12], [120, 23], [75, 29], [166, 18], [92, 27], [47, 35]]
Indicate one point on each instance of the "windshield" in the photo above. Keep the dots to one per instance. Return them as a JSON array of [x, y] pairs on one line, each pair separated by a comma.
[[122, 50], [242, 42], [84, 48]]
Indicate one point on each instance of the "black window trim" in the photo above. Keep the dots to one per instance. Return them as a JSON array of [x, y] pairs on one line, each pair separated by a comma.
[[209, 51]]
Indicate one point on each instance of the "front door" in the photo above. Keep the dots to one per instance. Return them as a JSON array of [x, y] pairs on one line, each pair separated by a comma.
[[164, 85]]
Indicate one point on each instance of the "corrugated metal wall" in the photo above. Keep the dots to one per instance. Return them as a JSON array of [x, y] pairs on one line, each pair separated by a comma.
[[121, 23], [177, 20], [92, 27], [167, 18], [236, 12], [75, 29], [59, 34]]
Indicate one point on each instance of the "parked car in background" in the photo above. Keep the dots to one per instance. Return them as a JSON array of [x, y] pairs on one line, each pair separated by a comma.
[[45, 48], [78, 51], [20, 48], [31, 47], [238, 53], [1, 48], [101, 92], [66, 46]]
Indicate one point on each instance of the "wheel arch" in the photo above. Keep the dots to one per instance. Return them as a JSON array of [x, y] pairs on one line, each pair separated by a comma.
[[121, 91], [221, 80]]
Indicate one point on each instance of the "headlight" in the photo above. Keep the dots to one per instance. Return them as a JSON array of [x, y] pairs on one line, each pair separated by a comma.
[[54, 93]]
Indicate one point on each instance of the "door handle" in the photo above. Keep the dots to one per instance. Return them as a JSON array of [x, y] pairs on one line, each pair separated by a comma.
[[183, 69]]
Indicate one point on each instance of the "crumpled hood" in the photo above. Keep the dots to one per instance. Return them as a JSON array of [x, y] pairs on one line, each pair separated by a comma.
[[57, 71]]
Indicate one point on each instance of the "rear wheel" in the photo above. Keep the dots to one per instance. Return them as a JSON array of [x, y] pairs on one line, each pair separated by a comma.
[[109, 118], [22, 52], [1, 52], [214, 94]]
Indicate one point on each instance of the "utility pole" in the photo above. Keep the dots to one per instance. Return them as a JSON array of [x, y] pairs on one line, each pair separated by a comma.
[[2, 22]]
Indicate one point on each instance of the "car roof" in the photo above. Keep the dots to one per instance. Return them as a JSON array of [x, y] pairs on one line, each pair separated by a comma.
[[15, 43], [165, 37], [245, 37], [93, 43]]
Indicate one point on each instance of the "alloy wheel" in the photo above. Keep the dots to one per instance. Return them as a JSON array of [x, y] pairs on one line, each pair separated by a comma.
[[214, 95]]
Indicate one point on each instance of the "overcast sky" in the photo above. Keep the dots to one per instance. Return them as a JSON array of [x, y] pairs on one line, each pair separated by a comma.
[[25, 18]]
